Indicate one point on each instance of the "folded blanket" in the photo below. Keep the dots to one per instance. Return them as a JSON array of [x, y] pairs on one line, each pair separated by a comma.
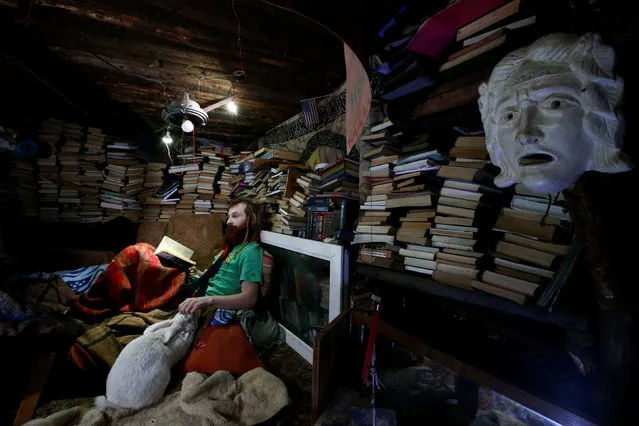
[[134, 281], [253, 398], [101, 343]]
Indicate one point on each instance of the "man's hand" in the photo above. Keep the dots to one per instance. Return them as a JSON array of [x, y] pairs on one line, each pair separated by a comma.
[[191, 305], [194, 271]]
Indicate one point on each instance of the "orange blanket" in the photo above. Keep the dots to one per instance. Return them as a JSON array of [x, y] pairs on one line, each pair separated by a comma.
[[134, 281]]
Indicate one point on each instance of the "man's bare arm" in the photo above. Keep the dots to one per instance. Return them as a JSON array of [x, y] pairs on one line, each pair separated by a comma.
[[244, 300]]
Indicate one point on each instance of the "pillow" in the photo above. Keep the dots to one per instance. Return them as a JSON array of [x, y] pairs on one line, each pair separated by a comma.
[[222, 348], [267, 266]]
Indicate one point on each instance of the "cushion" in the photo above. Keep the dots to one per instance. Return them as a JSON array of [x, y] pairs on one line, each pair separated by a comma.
[[151, 232], [201, 233], [222, 348], [267, 266]]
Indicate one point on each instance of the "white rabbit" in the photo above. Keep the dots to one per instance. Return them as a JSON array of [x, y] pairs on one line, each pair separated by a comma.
[[142, 371]]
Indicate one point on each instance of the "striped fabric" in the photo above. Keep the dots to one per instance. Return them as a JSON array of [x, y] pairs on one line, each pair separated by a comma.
[[309, 108], [223, 317], [80, 280]]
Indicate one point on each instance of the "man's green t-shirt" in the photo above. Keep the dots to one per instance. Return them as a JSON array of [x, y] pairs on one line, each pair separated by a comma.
[[244, 263]]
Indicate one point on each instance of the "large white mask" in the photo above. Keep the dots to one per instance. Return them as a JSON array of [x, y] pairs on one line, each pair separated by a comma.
[[550, 113]]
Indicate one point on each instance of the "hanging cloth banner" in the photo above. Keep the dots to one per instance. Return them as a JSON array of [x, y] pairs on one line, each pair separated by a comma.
[[358, 97]]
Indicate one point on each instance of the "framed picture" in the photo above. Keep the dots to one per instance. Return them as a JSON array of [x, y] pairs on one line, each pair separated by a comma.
[[308, 287]]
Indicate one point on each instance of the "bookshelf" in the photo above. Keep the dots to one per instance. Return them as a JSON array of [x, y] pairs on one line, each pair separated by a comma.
[[427, 285]]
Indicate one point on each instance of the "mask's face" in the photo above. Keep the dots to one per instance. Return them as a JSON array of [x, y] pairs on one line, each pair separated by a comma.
[[540, 131]]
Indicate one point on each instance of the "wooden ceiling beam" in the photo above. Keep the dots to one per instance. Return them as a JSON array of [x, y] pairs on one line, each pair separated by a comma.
[[287, 100], [135, 55], [143, 18]]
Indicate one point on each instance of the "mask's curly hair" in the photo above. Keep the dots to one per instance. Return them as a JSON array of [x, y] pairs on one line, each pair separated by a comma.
[[253, 221]]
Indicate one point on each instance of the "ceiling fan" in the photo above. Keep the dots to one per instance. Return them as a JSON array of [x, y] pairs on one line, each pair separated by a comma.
[[184, 111]]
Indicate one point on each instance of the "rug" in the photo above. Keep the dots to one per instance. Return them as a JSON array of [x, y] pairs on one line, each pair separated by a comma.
[[253, 398]]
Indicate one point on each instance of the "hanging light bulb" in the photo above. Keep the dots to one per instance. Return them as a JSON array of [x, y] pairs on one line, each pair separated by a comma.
[[232, 107], [167, 138], [187, 126]]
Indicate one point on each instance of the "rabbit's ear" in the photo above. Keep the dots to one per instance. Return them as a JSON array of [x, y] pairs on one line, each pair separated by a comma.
[[157, 326], [170, 334]]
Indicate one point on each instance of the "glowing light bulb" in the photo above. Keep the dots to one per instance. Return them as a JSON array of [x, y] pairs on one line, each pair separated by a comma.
[[167, 138], [187, 126], [232, 107]]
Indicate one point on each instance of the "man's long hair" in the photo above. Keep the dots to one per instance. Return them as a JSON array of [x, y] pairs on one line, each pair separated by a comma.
[[253, 222]]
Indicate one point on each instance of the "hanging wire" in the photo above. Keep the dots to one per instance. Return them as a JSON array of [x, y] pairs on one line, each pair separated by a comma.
[[550, 203], [198, 84], [239, 39], [168, 151], [194, 162], [27, 16]]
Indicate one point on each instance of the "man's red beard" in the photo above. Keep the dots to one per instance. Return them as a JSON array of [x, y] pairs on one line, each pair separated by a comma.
[[234, 236]]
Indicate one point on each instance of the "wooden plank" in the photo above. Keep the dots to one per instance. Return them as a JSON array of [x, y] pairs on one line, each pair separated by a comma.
[[40, 367], [416, 345], [330, 343]]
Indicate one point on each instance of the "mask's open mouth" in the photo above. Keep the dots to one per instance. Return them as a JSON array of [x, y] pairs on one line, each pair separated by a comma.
[[536, 159]]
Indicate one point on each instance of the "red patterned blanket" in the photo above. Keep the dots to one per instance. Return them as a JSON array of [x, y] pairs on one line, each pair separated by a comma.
[[134, 281]]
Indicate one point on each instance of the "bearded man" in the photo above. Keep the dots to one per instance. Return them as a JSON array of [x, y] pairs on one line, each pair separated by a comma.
[[236, 284]]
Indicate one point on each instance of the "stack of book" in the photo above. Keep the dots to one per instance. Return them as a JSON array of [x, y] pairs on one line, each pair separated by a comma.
[[490, 32], [73, 136], [466, 210], [69, 200], [260, 185], [276, 185], [48, 188], [69, 156], [154, 175], [277, 154], [90, 179], [90, 210], [151, 209], [202, 206], [163, 199], [50, 133], [240, 166], [470, 152], [23, 177], [168, 209], [118, 204], [341, 176], [225, 185], [411, 196], [135, 179], [375, 234], [529, 249], [269, 212], [310, 184], [206, 180], [119, 189], [121, 153], [420, 258], [188, 193], [408, 191], [380, 135], [289, 220], [94, 141], [181, 168]]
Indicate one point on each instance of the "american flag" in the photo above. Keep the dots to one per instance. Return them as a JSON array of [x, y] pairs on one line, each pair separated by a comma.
[[309, 108]]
